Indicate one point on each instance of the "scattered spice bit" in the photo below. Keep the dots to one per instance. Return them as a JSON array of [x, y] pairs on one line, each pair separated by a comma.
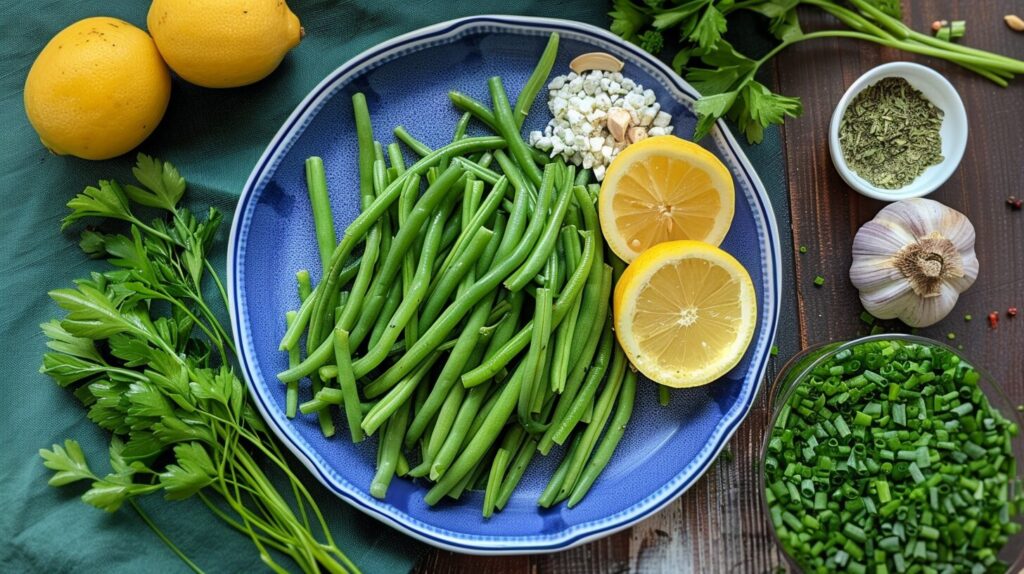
[[936, 25], [960, 347], [774, 351], [951, 336], [1014, 22], [993, 319], [819, 280], [968, 317], [1020, 408], [1012, 311], [867, 317], [1014, 202], [889, 134], [877, 330]]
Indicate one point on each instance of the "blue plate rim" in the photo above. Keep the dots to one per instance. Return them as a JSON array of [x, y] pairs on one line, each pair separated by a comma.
[[358, 497]]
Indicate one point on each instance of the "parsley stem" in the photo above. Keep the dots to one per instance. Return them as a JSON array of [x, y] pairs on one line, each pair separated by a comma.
[[167, 541]]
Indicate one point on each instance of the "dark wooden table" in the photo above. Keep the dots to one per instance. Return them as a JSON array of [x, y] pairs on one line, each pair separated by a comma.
[[717, 526]]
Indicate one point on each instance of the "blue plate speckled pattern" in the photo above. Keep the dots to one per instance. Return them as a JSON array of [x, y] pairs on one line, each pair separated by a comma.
[[406, 82]]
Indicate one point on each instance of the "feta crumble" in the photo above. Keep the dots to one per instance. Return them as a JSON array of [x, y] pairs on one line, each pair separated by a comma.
[[581, 107]]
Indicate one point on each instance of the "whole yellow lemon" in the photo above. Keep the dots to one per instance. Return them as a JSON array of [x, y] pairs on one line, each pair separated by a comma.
[[97, 89], [223, 43]]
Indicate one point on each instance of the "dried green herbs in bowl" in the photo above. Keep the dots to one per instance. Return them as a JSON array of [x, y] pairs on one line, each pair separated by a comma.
[[898, 132]]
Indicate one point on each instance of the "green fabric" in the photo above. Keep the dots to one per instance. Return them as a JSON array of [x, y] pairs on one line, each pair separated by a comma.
[[214, 137]]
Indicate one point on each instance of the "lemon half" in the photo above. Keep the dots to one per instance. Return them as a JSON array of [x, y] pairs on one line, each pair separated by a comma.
[[685, 312], [664, 189]]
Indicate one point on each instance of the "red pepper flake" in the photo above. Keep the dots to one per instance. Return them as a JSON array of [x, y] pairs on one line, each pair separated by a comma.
[[1014, 202], [1012, 311], [993, 319]]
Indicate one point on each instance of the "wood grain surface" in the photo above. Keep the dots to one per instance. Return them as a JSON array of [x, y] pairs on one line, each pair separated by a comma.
[[717, 526]]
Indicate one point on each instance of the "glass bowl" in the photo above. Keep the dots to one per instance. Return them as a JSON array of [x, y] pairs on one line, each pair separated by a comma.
[[803, 363]]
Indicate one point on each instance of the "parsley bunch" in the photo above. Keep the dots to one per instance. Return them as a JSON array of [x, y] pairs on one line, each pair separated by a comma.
[[727, 78], [143, 351]]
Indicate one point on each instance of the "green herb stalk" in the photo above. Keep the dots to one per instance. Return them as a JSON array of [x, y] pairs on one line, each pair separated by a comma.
[[727, 79], [144, 352]]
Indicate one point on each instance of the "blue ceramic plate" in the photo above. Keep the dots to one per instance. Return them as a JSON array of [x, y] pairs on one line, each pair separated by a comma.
[[406, 81]]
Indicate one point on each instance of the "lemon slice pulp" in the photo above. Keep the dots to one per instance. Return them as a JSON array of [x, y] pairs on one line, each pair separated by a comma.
[[665, 189], [685, 312]]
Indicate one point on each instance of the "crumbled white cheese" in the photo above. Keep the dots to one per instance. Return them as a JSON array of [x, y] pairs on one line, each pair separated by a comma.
[[579, 105]]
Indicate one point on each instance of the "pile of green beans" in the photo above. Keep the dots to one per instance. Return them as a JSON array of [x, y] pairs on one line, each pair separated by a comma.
[[463, 317], [888, 457]]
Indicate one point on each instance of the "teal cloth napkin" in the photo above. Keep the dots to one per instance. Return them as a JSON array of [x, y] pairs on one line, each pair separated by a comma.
[[214, 137]]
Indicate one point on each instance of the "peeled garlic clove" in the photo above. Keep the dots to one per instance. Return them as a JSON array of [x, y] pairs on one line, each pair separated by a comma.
[[913, 260], [618, 121], [636, 133], [595, 61]]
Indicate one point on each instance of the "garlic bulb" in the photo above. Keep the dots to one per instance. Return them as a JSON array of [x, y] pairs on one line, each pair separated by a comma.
[[913, 260]]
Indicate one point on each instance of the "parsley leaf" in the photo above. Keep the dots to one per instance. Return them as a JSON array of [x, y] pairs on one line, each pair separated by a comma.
[[68, 462], [709, 28], [164, 185], [193, 472], [107, 200], [627, 19]]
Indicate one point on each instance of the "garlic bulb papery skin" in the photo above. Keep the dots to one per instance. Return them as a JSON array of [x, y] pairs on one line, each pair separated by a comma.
[[913, 260]]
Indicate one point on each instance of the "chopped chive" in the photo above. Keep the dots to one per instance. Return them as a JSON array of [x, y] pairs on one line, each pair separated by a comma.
[[803, 249], [867, 317], [819, 280]]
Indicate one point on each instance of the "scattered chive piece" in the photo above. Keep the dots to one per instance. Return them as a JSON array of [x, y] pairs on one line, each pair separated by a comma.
[[803, 249], [774, 351], [968, 317], [819, 280], [951, 336], [867, 317], [877, 330]]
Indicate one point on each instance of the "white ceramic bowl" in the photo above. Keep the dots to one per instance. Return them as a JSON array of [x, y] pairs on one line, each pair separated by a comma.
[[936, 88]]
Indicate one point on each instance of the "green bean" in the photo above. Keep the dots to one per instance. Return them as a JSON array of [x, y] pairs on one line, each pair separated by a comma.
[[458, 309], [460, 127], [509, 130], [485, 174], [586, 354], [475, 107], [407, 308], [445, 419], [592, 293], [515, 175], [544, 247], [563, 343], [516, 471], [347, 383], [391, 445], [453, 368], [323, 221], [484, 213], [608, 349], [448, 281], [399, 395], [547, 497], [368, 217], [294, 332], [406, 202], [396, 158], [421, 149], [602, 410], [402, 242], [472, 477], [534, 362], [582, 178], [390, 306], [291, 394], [471, 200], [566, 299], [326, 397], [306, 292], [538, 79], [402, 466], [519, 214], [460, 431], [378, 151], [480, 442], [498, 466], [611, 439]]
